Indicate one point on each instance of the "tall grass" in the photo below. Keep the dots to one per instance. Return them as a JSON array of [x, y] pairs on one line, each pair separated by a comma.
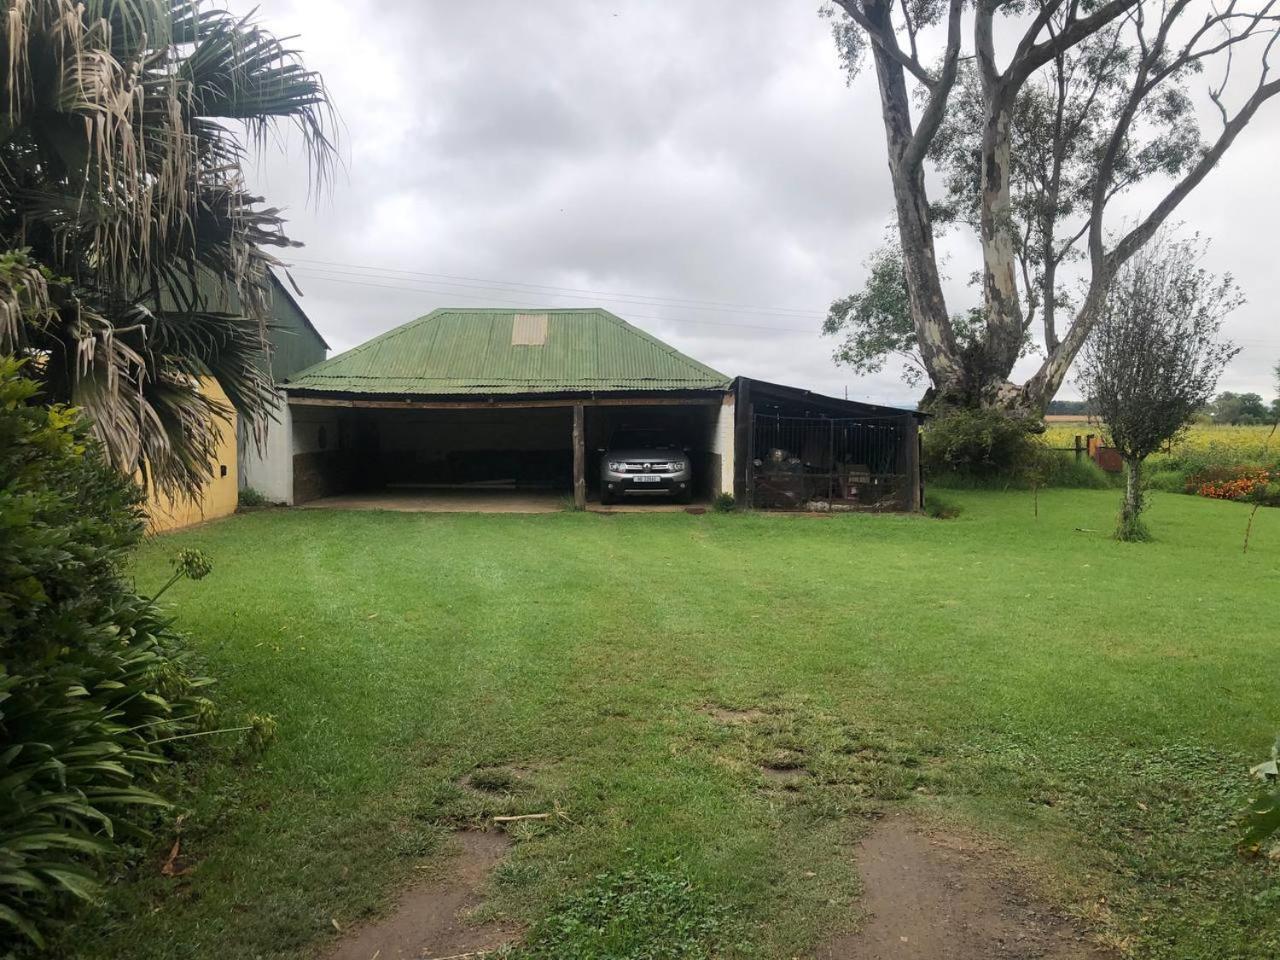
[[1064, 471]]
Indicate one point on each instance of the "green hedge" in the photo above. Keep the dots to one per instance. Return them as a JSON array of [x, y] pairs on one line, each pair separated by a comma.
[[986, 449], [93, 689]]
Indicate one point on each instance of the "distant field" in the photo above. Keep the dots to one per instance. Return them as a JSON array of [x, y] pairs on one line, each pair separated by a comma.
[[1225, 445]]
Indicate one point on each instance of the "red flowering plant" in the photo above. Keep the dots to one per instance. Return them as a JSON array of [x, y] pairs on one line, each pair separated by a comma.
[[1230, 483]]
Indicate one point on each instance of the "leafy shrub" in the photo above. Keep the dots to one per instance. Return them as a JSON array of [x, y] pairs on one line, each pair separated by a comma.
[[724, 503], [979, 445], [250, 497], [93, 687]]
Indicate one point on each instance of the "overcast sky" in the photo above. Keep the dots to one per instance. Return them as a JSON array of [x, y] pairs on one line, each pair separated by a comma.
[[700, 169]]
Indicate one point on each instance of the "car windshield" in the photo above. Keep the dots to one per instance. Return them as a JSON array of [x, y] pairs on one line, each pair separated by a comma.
[[641, 440]]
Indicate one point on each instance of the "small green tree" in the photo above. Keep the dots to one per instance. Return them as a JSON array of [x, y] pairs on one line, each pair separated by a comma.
[[1155, 356]]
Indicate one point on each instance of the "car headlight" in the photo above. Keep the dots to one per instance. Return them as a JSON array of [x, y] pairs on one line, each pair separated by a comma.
[[677, 466], [617, 466]]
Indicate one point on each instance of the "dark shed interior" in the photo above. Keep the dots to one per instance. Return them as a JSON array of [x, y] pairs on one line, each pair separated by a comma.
[[804, 451], [352, 449]]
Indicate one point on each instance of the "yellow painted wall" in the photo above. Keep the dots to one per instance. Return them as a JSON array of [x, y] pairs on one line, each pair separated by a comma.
[[220, 494]]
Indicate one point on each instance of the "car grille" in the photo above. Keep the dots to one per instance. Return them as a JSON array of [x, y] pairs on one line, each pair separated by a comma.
[[653, 466]]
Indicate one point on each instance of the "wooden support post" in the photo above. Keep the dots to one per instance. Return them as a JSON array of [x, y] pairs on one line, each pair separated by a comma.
[[920, 460], [909, 463], [579, 459], [831, 461], [742, 429]]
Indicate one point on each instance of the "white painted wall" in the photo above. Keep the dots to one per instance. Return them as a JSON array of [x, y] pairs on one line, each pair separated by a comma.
[[722, 440], [315, 429], [269, 470]]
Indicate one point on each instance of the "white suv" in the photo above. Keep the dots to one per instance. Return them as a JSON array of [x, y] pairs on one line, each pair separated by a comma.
[[645, 463]]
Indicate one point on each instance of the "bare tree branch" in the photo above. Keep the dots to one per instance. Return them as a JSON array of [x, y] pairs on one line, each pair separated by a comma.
[[1030, 56], [1143, 232], [911, 29], [1106, 165], [887, 41], [936, 108]]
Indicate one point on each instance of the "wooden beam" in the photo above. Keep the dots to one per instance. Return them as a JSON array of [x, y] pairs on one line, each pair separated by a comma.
[[579, 458], [504, 404]]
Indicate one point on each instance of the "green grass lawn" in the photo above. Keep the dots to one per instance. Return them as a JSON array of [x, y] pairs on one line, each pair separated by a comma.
[[1093, 706]]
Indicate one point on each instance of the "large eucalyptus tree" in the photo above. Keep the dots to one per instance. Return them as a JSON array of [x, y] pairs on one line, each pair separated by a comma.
[[1034, 143], [137, 257]]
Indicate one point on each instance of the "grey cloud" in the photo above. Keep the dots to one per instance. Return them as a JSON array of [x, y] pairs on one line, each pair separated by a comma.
[[680, 150]]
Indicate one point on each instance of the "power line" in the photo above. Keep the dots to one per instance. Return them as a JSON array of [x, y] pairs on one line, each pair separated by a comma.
[[307, 273], [641, 298], [332, 275]]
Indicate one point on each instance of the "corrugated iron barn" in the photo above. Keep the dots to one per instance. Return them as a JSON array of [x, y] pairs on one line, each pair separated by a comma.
[[526, 400]]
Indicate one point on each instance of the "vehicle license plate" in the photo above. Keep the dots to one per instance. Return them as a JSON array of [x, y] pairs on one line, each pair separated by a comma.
[[646, 478]]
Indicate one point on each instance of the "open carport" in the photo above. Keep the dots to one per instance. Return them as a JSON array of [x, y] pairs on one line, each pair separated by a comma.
[[521, 403], [394, 451]]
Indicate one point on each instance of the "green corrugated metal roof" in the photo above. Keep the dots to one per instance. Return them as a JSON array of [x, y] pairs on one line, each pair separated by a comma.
[[463, 351]]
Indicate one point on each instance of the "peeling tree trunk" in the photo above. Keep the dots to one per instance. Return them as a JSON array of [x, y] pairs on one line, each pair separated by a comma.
[[999, 254], [1041, 388], [924, 285], [991, 367], [1130, 525]]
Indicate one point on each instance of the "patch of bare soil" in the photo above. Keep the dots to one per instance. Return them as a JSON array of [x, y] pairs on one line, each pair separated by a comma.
[[728, 715], [497, 779], [786, 779], [937, 898], [431, 920]]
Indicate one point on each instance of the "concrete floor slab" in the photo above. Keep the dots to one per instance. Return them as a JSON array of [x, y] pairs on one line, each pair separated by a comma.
[[483, 500], [443, 500]]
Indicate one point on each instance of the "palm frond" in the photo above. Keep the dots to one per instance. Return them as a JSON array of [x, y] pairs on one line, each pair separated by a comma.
[[121, 174]]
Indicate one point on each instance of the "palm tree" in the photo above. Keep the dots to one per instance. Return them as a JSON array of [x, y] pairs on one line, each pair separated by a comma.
[[137, 257]]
